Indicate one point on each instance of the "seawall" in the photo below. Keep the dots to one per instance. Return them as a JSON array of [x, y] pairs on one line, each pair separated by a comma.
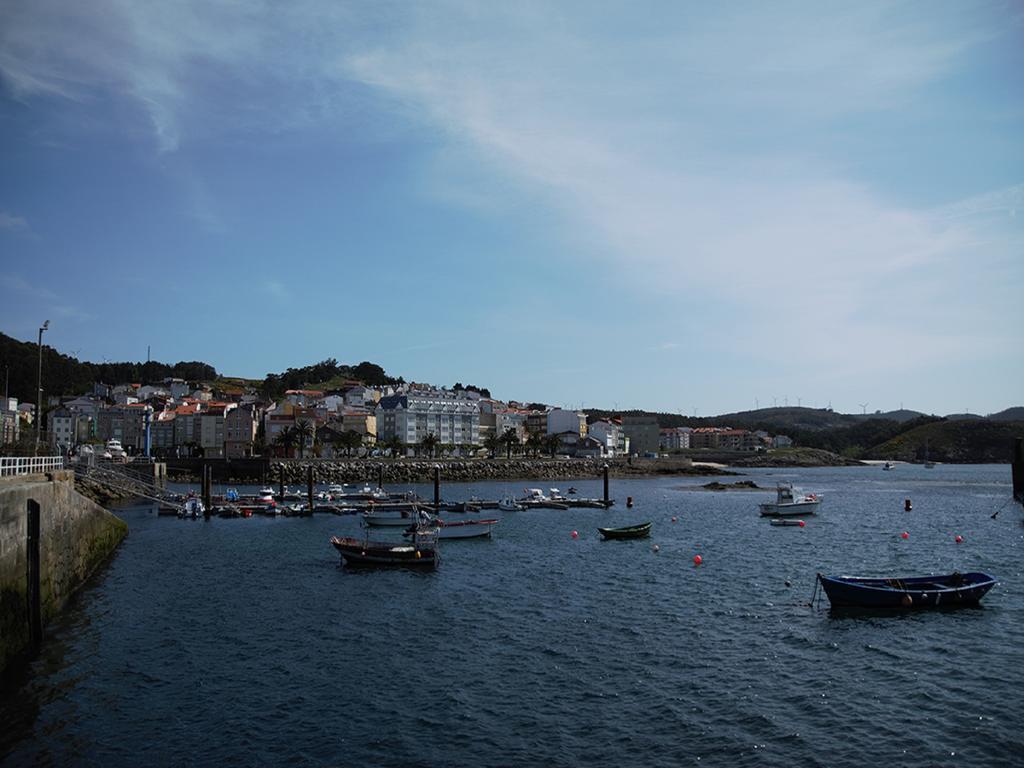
[[46, 553]]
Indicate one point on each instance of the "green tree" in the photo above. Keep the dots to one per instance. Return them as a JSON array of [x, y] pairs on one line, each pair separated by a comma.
[[551, 444], [351, 440], [534, 443], [492, 443], [304, 431], [429, 443], [511, 440]]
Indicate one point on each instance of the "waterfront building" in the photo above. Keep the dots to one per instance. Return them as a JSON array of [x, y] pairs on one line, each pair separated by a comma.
[[513, 419], [537, 422], [560, 420], [782, 441], [362, 422], [178, 388], [61, 422], [162, 438], [675, 438], [411, 417], [610, 436], [643, 433], [240, 426], [211, 429], [126, 423]]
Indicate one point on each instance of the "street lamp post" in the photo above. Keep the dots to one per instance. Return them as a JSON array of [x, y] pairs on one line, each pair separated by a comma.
[[39, 397]]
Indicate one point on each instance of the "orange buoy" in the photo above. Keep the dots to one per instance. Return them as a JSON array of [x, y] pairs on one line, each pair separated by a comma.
[[697, 559]]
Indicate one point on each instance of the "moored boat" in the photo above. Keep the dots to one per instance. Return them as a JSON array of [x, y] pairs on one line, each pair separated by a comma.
[[638, 531], [362, 552], [509, 504], [462, 529], [906, 593], [786, 521], [790, 501]]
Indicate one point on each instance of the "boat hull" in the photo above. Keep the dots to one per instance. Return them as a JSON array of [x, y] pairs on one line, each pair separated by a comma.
[[469, 529], [907, 593], [357, 553], [795, 509], [641, 531]]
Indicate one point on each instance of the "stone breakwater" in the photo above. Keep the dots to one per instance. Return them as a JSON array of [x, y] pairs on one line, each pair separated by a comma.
[[476, 470]]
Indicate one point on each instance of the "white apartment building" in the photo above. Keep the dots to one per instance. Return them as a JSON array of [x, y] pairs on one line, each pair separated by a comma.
[[560, 421], [413, 416]]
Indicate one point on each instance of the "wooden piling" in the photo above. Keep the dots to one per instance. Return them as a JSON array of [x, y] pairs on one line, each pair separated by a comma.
[[280, 483], [1017, 469], [309, 486], [437, 487], [606, 484]]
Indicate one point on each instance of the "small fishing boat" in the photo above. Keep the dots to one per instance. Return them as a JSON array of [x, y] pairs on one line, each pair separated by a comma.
[[390, 518], [786, 521], [638, 531], [420, 553], [906, 593], [790, 501], [509, 504], [888, 466]]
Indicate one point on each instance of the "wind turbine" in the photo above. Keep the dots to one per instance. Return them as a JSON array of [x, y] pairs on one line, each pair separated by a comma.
[[864, 408]]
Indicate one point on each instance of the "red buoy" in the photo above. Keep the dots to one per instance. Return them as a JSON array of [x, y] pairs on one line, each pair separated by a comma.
[[697, 559], [802, 523], [958, 538], [575, 534], [674, 519], [904, 535]]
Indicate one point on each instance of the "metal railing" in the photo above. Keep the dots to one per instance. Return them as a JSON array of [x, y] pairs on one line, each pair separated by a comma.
[[29, 465]]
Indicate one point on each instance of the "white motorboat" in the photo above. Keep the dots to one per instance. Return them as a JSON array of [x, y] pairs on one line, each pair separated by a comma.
[[389, 518], [192, 509], [888, 466], [790, 501], [115, 449], [509, 504], [461, 529]]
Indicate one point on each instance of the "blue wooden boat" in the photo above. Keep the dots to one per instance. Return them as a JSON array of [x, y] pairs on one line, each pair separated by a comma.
[[907, 593]]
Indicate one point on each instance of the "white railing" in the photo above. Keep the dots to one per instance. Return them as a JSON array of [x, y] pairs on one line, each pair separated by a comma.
[[29, 465]]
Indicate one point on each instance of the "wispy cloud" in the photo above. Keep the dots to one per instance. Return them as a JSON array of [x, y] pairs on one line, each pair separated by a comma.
[[12, 223], [277, 290]]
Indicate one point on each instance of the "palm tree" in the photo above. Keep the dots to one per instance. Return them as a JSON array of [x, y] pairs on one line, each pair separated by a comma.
[[429, 443], [552, 443], [394, 444], [534, 443], [351, 440], [304, 430], [492, 443], [511, 439], [286, 439]]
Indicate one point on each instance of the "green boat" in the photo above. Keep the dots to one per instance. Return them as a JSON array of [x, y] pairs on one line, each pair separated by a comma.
[[639, 531]]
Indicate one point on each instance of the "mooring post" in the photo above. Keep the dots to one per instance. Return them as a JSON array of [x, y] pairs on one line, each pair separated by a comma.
[[1017, 469], [280, 483], [380, 475], [437, 487], [606, 485], [309, 486], [207, 488], [35, 616]]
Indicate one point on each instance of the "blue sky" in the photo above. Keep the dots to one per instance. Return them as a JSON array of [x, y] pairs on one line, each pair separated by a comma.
[[679, 206]]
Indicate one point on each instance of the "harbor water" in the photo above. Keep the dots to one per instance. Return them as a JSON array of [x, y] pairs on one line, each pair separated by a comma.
[[245, 642]]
